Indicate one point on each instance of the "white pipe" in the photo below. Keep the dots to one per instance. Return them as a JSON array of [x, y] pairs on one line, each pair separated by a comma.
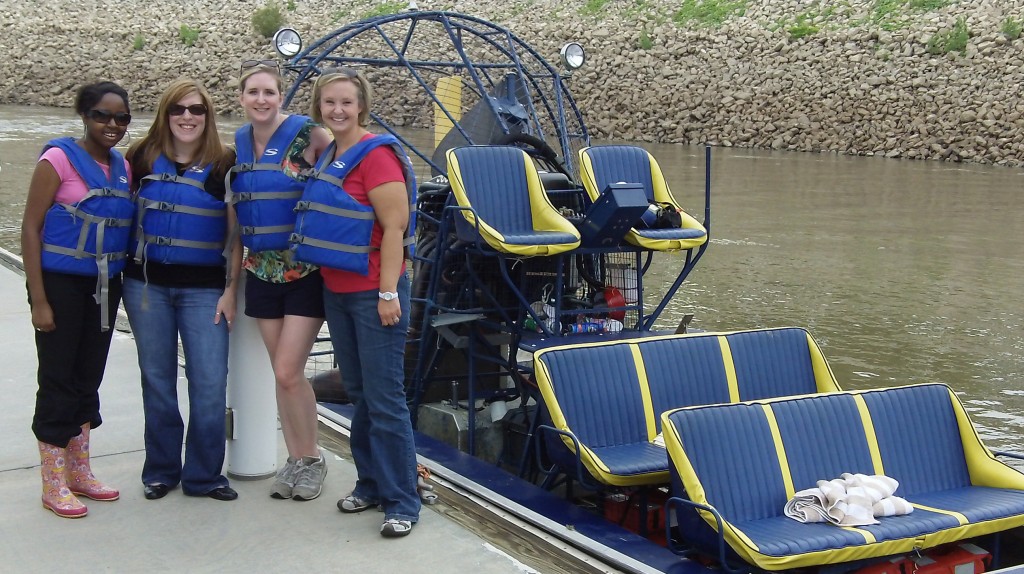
[[252, 436]]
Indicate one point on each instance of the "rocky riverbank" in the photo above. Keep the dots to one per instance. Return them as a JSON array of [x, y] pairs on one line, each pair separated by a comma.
[[867, 77]]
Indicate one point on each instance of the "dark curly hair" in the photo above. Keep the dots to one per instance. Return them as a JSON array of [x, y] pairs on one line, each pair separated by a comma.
[[90, 94]]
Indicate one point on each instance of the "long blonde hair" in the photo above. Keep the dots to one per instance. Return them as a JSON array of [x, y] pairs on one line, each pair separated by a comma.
[[160, 140]]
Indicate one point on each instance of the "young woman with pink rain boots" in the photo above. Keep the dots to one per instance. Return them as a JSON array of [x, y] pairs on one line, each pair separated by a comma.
[[79, 190]]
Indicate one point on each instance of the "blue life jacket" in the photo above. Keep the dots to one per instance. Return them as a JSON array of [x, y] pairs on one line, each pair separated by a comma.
[[176, 221], [333, 229], [90, 237], [264, 196]]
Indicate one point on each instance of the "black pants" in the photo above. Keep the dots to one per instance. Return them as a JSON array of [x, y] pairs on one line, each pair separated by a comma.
[[72, 357]]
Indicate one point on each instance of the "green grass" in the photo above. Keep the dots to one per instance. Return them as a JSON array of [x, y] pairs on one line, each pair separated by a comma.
[[802, 30], [268, 19], [1012, 28], [644, 8], [954, 40], [520, 8], [893, 15], [290, 6], [708, 13], [645, 42], [928, 5], [593, 7], [385, 9], [188, 35], [139, 42]]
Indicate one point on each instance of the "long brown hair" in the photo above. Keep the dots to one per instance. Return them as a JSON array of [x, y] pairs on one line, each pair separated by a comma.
[[159, 139]]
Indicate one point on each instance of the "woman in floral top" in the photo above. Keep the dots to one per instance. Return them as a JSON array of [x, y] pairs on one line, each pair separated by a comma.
[[285, 296]]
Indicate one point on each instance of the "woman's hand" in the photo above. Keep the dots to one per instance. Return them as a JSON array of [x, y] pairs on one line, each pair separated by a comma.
[[390, 312], [42, 317], [225, 308]]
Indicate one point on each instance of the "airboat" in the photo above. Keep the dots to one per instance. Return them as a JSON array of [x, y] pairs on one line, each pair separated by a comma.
[[539, 379]]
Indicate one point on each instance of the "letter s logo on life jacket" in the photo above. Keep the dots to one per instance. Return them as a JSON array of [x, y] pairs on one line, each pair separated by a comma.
[[196, 169], [123, 179], [272, 151], [338, 165]]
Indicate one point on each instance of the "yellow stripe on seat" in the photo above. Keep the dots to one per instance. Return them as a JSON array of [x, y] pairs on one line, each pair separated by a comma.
[[730, 370], [868, 537], [824, 378], [869, 434], [780, 450], [645, 391], [963, 520]]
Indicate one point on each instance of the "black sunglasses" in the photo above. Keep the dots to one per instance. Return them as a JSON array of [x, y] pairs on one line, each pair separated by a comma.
[[102, 116], [246, 64], [194, 109]]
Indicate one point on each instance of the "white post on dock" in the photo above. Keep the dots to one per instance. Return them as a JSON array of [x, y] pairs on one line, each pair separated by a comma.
[[252, 403]]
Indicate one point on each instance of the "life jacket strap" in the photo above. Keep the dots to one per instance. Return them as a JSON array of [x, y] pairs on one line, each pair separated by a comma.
[[334, 246], [175, 179], [260, 195], [256, 230], [324, 208], [169, 207]]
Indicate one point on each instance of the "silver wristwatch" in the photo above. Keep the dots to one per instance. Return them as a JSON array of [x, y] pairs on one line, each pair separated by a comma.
[[388, 295]]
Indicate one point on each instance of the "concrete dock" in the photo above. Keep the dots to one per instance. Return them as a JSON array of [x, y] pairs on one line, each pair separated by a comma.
[[183, 534]]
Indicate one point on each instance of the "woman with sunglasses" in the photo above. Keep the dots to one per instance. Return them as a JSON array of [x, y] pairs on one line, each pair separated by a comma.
[[366, 291], [79, 189], [178, 282], [283, 295]]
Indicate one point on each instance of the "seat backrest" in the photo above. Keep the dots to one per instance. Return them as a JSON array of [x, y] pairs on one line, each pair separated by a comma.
[[594, 392], [730, 453], [510, 209], [495, 182], [601, 166], [919, 435], [919, 439], [777, 363], [685, 370]]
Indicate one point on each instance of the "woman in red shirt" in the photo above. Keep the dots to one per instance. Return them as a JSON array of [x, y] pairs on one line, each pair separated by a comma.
[[366, 299]]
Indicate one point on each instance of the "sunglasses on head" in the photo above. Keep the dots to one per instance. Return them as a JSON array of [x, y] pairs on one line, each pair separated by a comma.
[[102, 116], [350, 73], [246, 64], [194, 109]]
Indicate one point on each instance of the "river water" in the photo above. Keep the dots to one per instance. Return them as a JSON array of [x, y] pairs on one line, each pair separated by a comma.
[[903, 271]]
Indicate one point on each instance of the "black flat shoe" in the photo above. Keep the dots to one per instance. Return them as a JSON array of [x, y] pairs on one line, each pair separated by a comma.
[[155, 491], [222, 493]]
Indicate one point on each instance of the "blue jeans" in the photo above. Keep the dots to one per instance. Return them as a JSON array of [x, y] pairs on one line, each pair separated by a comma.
[[158, 315], [371, 360]]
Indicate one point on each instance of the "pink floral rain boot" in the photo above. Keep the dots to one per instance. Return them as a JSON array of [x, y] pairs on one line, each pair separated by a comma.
[[79, 474], [57, 497]]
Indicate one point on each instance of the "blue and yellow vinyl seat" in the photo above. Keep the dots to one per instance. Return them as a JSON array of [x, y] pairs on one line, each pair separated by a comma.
[[601, 166], [505, 202], [602, 401], [745, 461]]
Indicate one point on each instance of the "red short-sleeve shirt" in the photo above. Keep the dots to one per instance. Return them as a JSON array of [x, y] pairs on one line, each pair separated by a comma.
[[380, 166]]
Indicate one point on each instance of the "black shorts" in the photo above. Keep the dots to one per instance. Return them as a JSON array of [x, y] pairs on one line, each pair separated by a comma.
[[302, 297]]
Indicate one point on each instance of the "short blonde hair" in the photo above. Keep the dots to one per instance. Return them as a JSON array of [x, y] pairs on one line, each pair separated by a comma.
[[331, 75]]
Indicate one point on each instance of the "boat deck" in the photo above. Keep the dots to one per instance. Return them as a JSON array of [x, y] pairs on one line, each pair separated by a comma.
[[185, 534]]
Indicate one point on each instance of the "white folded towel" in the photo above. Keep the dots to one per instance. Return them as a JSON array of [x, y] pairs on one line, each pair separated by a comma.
[[850, 500]]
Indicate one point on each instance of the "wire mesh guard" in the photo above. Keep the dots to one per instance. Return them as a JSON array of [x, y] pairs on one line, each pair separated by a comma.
[[451, 80]]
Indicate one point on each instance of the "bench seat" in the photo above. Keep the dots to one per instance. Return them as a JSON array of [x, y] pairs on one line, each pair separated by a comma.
[[603, 400], [747, 460]]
